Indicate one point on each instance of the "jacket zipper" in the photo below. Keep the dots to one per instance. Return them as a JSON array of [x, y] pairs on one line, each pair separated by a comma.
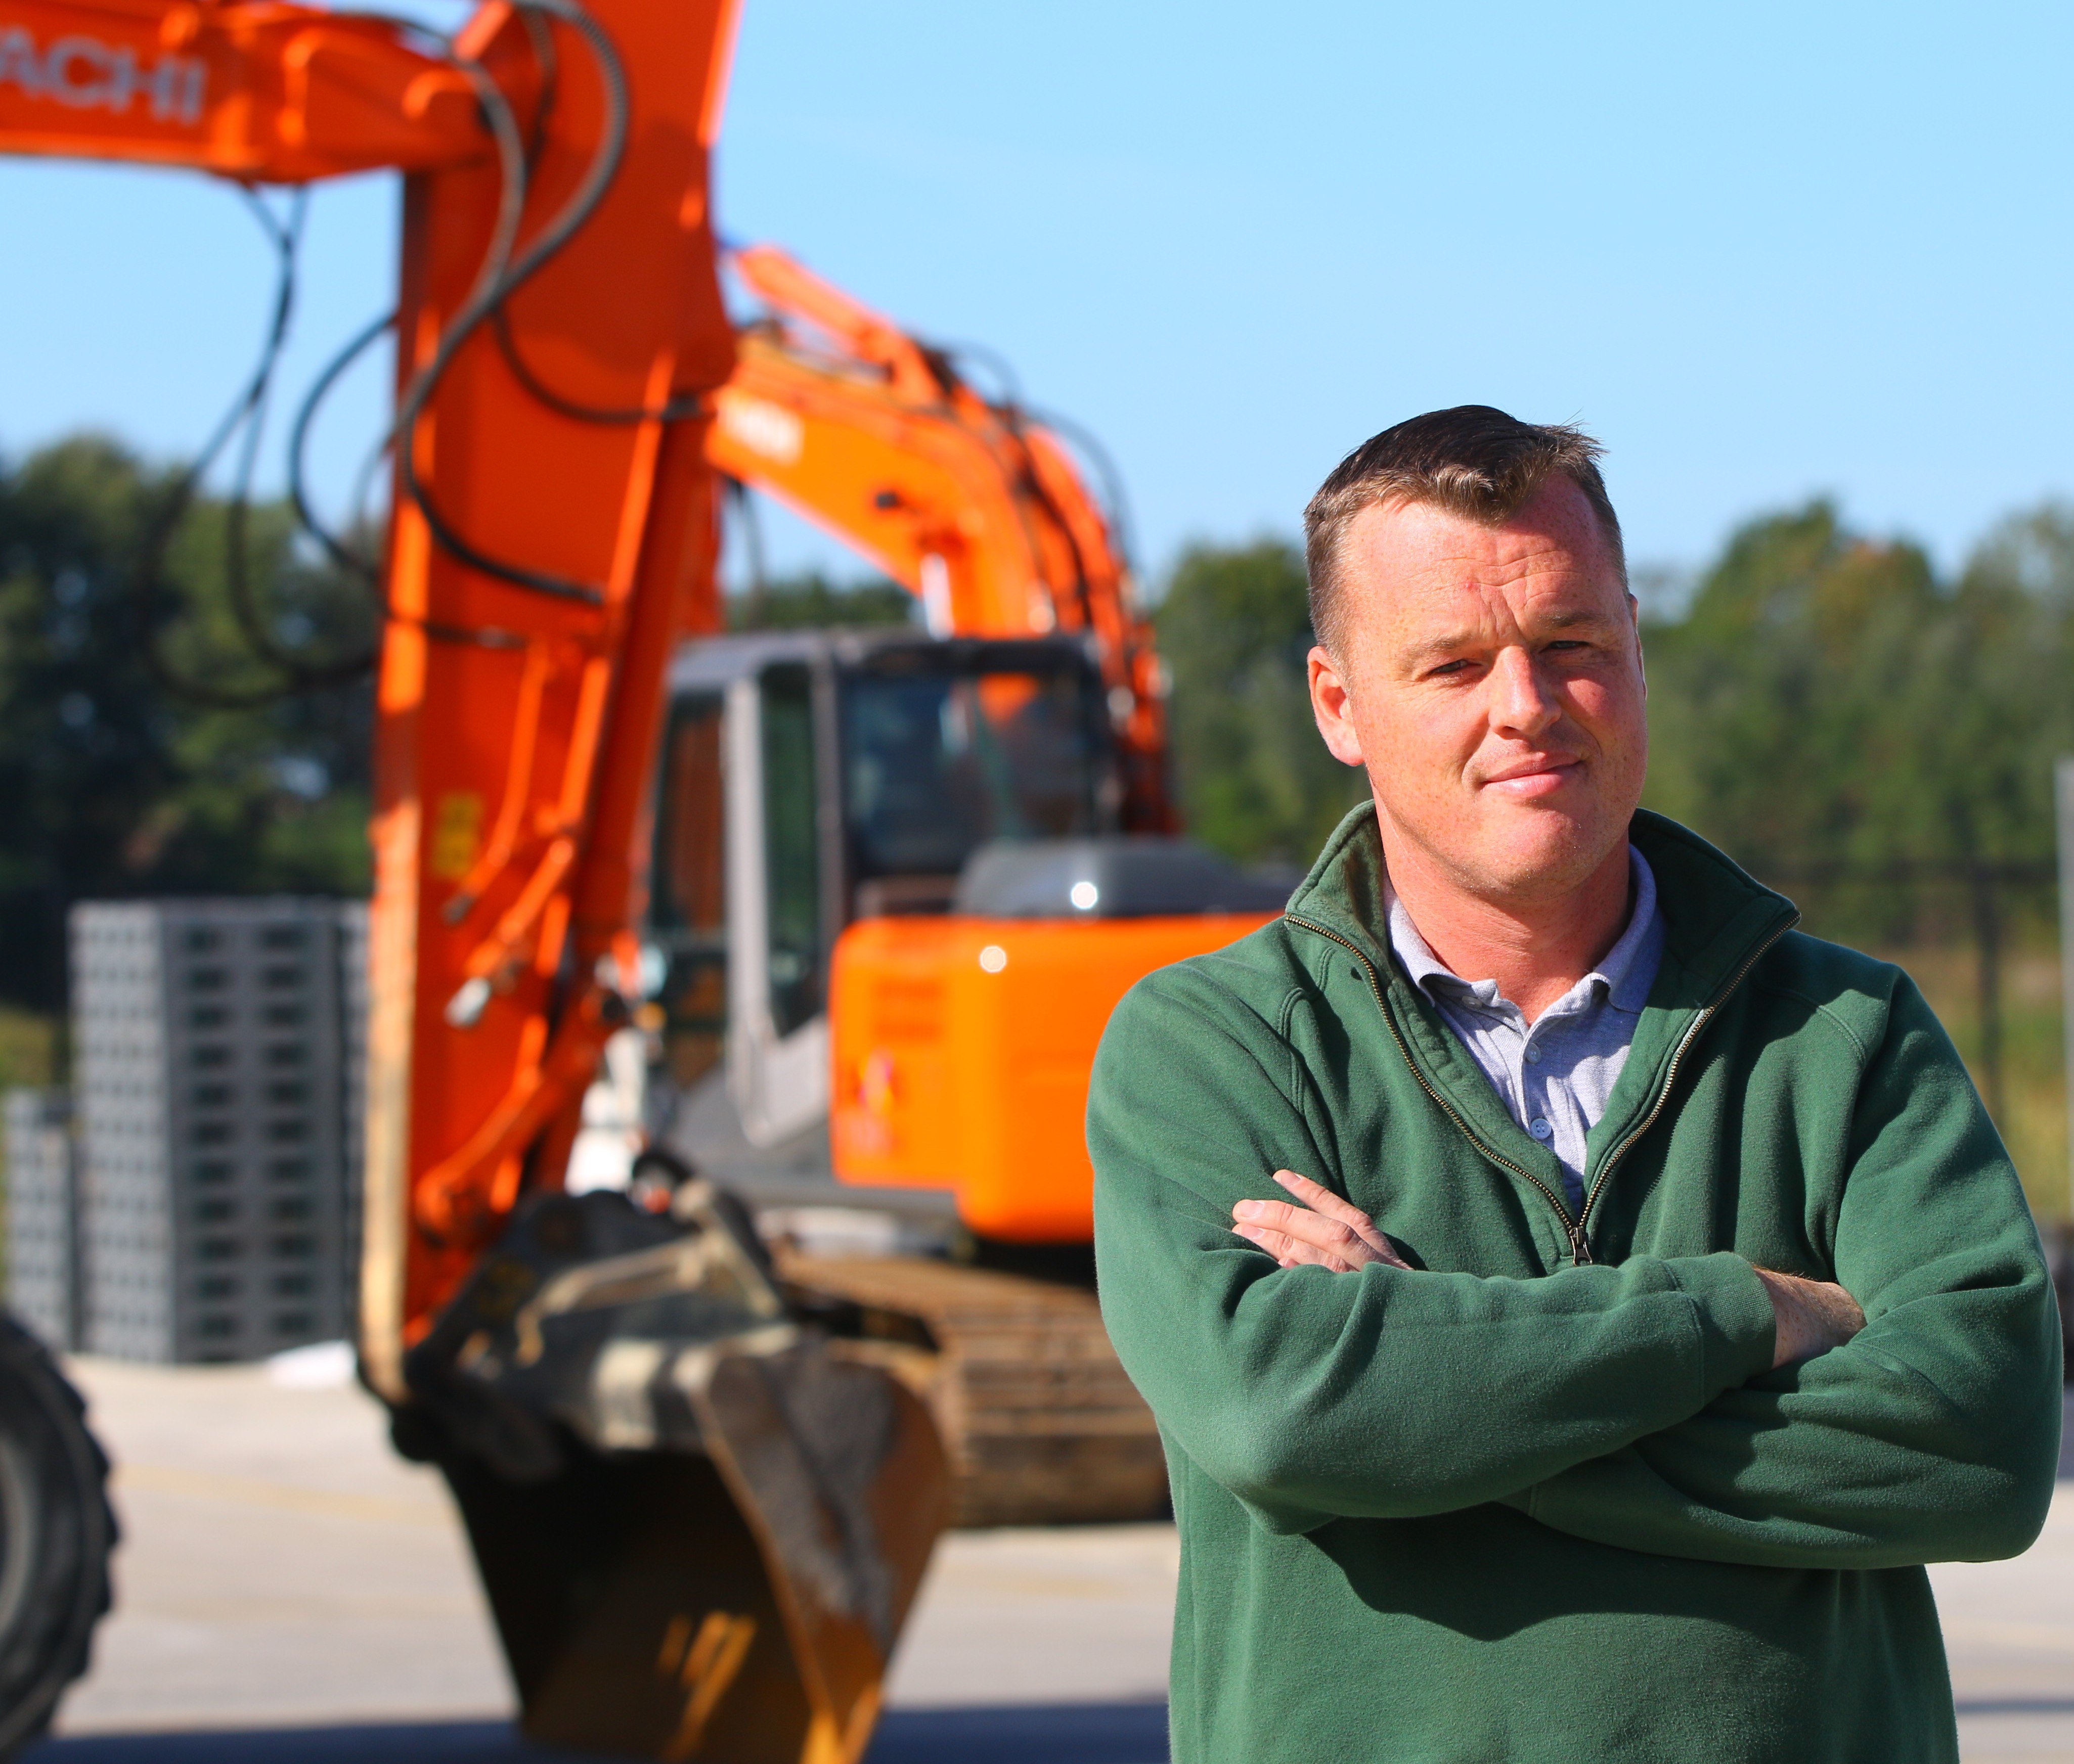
[[1375, 986], [1671, 1072], [1581, 1248]]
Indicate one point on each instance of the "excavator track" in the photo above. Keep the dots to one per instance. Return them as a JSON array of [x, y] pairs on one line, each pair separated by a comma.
[[1041, 1425]]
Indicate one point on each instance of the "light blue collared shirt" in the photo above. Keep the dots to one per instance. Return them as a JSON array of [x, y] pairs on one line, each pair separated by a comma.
[[1556, 1074]]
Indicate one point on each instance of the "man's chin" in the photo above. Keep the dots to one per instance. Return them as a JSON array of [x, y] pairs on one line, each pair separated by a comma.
[[1533, 851]]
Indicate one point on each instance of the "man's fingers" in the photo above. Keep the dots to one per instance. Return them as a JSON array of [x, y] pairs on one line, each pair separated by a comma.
[[1321, 1199], [1272, 1242], [1297, 1223], [1311, 1241], [1324, 1230], [1293, 1252], [1284, 1250], [1278, 1244], [1279, 1215], [1317, 1196]]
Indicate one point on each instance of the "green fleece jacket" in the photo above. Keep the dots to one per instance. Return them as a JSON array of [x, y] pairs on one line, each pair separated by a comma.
[[1541, 1497]]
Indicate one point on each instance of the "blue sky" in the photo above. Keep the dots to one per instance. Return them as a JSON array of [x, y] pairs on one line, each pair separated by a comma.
[[1762, 252]]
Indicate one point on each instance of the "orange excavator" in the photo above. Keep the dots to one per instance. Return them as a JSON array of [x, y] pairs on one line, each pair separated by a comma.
[[866, 898]]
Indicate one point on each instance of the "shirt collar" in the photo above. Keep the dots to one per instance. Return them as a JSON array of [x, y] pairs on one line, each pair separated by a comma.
[[1623, 979]]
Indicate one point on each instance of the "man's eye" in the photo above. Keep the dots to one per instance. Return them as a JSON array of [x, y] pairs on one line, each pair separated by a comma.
[[1569, 643], [1447, 667]]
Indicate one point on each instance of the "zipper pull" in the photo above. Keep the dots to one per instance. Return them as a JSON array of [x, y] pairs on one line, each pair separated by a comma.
[[1581, 1251]]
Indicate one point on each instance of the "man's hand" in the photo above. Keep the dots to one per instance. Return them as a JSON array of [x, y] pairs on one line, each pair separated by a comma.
[[1812, 1317], [1325, 1229]]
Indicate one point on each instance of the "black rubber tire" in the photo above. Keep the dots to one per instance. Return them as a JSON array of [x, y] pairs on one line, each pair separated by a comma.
[[57, 1531]]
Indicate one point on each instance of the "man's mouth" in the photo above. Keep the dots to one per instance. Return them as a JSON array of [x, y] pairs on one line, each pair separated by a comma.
[[1526, 780]]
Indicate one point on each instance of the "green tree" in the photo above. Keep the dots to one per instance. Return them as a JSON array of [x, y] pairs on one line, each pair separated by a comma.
[[791, 603], [1234, 628], [1840, 720], [111, 783]]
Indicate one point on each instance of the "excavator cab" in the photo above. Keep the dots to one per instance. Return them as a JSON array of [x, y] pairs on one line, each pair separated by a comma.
[[890, 910], [811, 780]]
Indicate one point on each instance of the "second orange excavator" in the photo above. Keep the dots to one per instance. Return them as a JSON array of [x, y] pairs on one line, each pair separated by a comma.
[[900, 878]]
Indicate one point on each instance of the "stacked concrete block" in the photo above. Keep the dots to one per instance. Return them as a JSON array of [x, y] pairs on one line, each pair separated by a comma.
[[43, 1241], [353, 1003], [209, 1076]]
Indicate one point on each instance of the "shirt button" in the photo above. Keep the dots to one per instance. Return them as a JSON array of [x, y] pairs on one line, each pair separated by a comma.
[[1534, 1056], [1538, 1126]]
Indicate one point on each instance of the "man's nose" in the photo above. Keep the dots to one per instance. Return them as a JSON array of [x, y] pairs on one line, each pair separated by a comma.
[[1522, 703]]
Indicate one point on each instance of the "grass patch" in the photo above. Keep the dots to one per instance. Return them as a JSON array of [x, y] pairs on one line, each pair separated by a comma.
[[28, 1048], [28, 1056], [2033, 1119]]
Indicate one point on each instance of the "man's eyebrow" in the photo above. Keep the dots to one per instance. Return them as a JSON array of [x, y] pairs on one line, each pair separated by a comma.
[[1571, 618], [1452, 643], [1468, 639]]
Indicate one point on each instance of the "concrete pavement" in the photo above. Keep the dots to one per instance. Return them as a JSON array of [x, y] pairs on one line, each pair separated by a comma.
[[289, 1590], [2009, 1632]]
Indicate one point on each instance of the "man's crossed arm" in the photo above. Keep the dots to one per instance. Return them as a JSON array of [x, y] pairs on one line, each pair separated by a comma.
[[1634, 1402], [1812, 1317]]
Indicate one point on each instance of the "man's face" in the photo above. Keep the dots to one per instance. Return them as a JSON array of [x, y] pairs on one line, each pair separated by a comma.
[[1491, 686]]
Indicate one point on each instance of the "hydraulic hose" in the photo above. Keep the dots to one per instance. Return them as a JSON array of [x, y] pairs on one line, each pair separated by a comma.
[[245, 411], [502, 275], [335, 548]]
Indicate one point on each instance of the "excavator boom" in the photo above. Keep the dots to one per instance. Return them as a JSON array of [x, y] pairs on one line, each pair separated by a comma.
[[555, 522], [973, 505], [272, 93], [540, 567]]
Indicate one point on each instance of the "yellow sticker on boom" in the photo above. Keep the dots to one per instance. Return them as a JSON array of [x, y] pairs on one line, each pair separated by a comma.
[[456, 834]]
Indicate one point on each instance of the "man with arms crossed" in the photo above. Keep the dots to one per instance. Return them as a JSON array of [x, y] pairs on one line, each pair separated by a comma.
[[1576, 1303]]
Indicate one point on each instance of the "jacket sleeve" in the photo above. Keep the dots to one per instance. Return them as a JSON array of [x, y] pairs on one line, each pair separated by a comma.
[[1311, 1396], [1933, 1434]]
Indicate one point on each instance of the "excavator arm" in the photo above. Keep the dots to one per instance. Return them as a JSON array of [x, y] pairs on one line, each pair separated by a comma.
[[544, 555], [971, 505]]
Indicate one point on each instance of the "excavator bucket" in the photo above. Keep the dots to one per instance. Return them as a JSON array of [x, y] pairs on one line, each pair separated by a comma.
[[700, 1522]]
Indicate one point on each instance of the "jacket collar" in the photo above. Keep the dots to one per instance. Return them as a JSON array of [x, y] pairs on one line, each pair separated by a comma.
[[1622, 979], [1716, 920], [1715, 913]]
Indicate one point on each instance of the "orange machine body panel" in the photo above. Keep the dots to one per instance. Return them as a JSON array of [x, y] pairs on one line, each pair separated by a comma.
[[963, 1047]]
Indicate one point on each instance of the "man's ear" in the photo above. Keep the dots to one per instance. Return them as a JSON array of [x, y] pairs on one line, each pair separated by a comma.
[[1331, 705], [1641, 660]]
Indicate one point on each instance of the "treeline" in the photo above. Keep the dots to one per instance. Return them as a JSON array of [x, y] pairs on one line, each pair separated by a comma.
[[1873, 736], [1877, 739], [113, 781], [145, 746]]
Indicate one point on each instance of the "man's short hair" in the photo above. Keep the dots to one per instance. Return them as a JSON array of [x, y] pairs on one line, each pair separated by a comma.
[[1472, 461]]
